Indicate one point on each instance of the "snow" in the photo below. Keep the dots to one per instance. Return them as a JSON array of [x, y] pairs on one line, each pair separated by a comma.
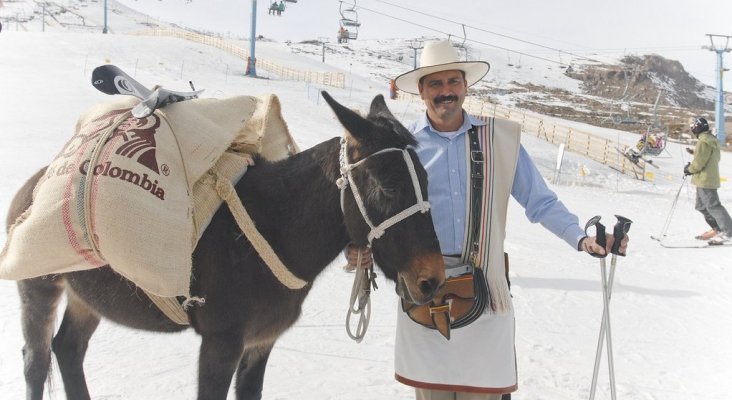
[[669, 309]]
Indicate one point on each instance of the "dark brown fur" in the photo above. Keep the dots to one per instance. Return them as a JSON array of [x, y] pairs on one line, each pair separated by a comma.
[[296, 207]]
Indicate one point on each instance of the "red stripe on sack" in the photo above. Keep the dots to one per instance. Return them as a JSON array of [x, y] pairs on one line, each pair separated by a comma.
[[106, 155], [66, 216]]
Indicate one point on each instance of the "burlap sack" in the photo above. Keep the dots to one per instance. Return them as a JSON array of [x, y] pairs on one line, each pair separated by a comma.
[[145, 202]]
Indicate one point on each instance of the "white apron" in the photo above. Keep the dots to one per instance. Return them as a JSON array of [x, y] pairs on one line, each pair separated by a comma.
[[480, 357]]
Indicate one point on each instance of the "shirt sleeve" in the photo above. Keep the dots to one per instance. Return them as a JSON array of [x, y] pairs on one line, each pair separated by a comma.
[[541, 203]]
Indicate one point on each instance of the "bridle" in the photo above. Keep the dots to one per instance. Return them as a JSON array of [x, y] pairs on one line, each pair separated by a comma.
[[346, 180], [365, 279]]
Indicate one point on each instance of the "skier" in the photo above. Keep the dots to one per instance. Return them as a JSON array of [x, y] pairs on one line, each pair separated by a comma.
[[342, 35], [704, 169]]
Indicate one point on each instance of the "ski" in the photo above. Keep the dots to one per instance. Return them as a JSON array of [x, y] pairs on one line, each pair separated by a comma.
[[110, 79], [160, 98], [686, 244], [635, 157]]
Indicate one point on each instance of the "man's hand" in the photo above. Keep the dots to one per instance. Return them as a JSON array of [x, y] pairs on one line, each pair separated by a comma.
[[690, 150], [351, 254], [590, 246]]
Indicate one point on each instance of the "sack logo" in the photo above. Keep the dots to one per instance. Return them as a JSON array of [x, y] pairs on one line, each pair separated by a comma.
[[139, 137], [138, 143]]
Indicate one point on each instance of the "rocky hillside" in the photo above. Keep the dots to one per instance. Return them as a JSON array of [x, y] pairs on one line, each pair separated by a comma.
[[642, 79], [636, 94]]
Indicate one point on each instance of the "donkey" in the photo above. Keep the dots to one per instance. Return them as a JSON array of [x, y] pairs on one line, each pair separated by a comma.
[[303, 207]]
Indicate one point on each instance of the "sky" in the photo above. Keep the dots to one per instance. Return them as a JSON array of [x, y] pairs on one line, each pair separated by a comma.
[[674, 29], [669, 309]]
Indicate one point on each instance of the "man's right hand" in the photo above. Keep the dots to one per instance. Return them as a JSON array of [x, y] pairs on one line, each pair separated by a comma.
[[690, 150], [351, 254]]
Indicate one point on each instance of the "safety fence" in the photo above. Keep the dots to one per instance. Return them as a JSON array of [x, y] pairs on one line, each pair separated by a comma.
[[597, 148], [602, 150], [334, 79]]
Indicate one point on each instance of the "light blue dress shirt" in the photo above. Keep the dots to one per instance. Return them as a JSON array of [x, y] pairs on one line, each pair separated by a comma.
[[443, 156]]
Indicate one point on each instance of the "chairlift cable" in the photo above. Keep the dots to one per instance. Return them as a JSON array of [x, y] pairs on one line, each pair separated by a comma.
[[446, 34], [568, 52], [487, 31]]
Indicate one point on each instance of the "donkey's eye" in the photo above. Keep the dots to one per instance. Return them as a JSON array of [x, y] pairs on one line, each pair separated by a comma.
[[389, 190]]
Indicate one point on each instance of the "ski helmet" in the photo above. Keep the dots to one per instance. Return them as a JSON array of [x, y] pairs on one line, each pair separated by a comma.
[[699, 125]]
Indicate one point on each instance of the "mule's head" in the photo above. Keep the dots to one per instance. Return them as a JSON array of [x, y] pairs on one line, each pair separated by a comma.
[[384, 200]]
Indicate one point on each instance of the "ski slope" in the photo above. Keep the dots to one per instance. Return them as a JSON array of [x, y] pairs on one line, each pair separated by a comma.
[[670, 307]]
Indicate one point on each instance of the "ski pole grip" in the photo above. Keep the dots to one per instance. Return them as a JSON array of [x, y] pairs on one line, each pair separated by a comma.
[[600, 235], [621, 228], [600, 238]]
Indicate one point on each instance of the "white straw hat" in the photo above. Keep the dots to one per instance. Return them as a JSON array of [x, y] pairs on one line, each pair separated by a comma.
[[440, 56]]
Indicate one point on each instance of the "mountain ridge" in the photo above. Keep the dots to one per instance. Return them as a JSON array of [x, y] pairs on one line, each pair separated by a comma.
[[634, 93]]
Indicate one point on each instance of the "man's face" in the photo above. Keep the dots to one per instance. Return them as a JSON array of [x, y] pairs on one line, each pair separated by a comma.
[[443, 93]]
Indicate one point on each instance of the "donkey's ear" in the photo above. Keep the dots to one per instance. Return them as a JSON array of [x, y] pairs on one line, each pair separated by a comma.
[[378, 106], [356, 125]]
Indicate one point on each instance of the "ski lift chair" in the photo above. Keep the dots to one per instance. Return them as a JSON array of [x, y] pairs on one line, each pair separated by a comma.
[[273, 7], [652, 144], [351, 29], [349, 21]]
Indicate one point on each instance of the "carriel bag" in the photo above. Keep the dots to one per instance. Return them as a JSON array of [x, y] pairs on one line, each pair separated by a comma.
[[465, 294], [461, 301]]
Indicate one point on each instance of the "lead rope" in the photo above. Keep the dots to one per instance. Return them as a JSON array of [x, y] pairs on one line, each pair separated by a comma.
[[360, 301]]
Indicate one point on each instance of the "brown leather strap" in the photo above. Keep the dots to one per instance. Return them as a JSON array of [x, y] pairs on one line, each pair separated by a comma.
[[441, 319]]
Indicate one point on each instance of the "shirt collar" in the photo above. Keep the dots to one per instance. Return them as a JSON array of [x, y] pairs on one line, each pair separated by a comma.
[[423, 123]]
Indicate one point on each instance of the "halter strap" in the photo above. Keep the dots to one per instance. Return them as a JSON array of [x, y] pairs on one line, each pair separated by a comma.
[[346, 180]]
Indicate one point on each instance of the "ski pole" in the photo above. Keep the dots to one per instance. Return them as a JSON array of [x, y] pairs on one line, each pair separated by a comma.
[[621, 228], [671, 212], [602, 241]]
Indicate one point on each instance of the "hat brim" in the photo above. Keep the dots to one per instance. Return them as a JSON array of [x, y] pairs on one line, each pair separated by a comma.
[[474, 72]]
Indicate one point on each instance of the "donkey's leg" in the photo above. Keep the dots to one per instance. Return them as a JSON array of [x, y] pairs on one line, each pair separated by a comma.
[[70, 345], [39, 298], [250, 374], [219, 356]]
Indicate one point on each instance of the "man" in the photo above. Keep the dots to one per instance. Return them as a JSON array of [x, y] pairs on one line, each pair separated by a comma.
[[704, 169], [478, 362]]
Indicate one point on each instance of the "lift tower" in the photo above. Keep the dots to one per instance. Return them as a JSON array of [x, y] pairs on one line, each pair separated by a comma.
[[719, 106], [252, 59]]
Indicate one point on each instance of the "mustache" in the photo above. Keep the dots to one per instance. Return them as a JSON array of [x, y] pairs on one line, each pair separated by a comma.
[[440, 99]]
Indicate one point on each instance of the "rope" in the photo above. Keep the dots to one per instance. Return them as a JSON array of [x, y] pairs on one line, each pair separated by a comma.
[[421, 206], [226, 191], [182, 161], [346, 180], [89, 182], [360, 301]]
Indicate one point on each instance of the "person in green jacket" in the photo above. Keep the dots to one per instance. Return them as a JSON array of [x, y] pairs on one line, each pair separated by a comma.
[[704, 169]]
